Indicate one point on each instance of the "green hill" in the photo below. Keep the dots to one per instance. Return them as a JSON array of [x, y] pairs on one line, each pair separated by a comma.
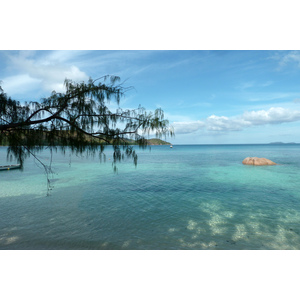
[[157, 142], [43, 140]]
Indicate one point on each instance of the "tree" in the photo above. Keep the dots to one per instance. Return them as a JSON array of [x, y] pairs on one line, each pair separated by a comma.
[[78, 119]]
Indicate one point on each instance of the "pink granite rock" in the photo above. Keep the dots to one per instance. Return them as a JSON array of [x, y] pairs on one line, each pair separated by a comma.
[[256, 161]]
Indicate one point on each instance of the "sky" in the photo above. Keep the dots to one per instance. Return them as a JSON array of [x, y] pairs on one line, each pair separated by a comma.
[[209, 97]]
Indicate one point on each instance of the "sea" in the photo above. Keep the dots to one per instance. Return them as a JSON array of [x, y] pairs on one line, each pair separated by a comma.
[[189, 197]]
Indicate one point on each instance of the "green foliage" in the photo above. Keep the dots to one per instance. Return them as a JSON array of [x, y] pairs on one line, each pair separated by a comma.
[[157, 142], [78, 119]]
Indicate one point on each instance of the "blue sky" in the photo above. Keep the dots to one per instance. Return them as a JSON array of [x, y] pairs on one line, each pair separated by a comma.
[[210, 97]]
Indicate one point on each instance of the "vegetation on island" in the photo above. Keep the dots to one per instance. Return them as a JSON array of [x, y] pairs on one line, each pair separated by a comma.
[[150, 142], [79, 119], [131, 142], [157, 142]]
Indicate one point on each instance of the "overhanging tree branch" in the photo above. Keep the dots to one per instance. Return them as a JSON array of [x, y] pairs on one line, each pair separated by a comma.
[[80, 119]]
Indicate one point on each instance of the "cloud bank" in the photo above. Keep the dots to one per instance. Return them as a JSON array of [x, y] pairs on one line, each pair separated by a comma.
[[48, 71], [275, 115]]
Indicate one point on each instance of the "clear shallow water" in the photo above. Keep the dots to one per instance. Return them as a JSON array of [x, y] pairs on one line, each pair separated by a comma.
[[188, 197]]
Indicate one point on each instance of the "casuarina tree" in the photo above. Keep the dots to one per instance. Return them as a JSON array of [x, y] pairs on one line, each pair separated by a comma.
[[78, 119]]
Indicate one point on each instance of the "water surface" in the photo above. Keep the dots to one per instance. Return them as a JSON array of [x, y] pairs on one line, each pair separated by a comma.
[[187, 197]]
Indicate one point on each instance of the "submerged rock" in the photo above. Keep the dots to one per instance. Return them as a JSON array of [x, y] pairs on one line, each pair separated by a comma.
[[256, 161]]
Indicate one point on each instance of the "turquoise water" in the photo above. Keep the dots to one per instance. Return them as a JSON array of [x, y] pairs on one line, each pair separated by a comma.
[[188, 197]]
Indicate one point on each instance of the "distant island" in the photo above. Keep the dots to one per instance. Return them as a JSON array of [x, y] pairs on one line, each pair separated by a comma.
[[157, 142], [150, 142], [281, 143]]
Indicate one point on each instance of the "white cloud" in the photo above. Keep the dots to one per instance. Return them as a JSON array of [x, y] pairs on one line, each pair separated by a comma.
[[287, 58], [250, 84], [47, 70], [293, 56], [246, 85], [19, 84], [215, 123], [187, 127], [274, 115], [63, 56], [270, 96], [267, 83]]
